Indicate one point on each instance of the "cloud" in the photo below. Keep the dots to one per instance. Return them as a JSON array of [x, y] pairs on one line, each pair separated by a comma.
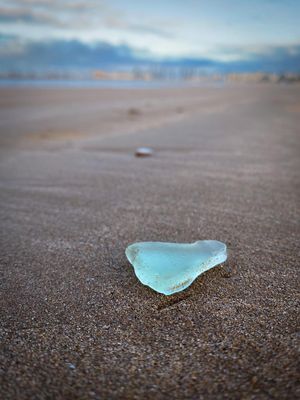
[[123, 24], [72, 14], [60, 54], [9, 15], [274, 59], [10, 46], [15, 54]]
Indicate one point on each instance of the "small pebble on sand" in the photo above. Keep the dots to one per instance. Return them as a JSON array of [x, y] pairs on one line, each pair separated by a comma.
[[144, 152]]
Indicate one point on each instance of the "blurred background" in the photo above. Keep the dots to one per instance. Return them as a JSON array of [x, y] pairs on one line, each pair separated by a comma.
[[157, 40]]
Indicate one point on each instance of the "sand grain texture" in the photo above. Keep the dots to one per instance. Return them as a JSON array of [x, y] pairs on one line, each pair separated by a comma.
[[75, 322]]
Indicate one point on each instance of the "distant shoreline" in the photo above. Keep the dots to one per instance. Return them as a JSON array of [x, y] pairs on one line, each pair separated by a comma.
[[106, 84], [120, 80], [102, 84]]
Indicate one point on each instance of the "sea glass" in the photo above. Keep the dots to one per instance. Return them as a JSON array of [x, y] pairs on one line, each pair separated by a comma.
[[171, 267]]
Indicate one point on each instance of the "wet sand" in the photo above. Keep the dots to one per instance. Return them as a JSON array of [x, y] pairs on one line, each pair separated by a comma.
[[75, 321]]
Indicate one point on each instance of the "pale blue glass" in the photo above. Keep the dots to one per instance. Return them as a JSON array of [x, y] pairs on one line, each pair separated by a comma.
[[171, 267]]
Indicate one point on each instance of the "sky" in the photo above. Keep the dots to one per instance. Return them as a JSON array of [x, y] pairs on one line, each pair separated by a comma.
[[241, 34]]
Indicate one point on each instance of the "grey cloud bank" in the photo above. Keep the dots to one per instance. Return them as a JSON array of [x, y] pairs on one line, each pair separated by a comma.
[[16, 55]]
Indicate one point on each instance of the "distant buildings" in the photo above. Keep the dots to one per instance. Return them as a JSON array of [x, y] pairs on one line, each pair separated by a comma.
[[156, 73]]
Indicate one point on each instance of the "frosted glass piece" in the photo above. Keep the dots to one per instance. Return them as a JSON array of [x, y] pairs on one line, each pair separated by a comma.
[[171, 267]]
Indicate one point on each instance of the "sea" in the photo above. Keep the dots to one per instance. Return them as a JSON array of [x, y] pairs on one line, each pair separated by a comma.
[[109, 84]]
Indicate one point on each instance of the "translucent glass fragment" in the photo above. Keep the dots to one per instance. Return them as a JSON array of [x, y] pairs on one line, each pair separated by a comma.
[[171, 267]]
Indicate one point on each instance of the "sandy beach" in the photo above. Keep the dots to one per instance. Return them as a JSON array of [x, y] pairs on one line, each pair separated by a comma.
[[75, 321]]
